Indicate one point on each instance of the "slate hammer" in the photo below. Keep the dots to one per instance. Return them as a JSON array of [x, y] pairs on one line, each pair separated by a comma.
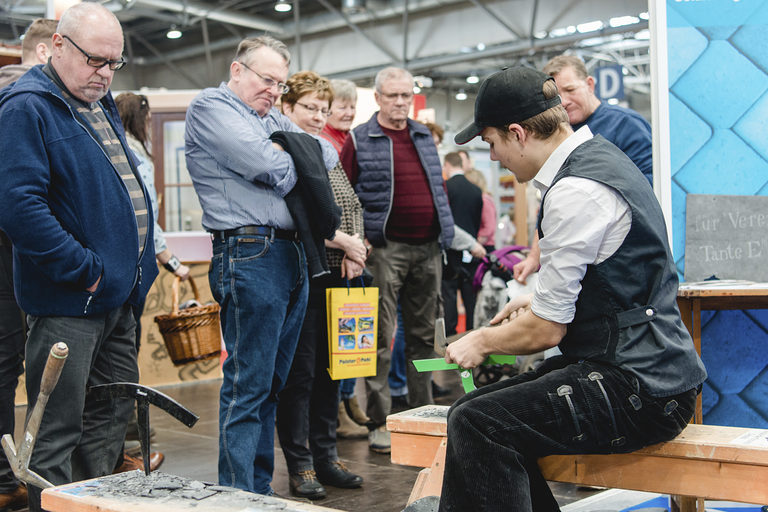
[[441, 342], [19, 459]]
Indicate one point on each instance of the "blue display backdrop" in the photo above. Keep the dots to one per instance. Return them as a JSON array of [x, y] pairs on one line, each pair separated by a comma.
[[718, 115]]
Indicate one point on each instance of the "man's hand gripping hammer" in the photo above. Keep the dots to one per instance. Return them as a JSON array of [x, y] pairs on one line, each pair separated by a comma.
[[441, 342], [19, 459]]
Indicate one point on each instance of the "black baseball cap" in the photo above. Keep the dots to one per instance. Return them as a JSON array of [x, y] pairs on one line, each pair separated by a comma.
[[508, 96]]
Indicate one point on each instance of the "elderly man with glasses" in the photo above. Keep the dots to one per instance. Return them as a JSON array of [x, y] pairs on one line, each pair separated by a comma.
[[76, 213], [392, 163], [259, 270]]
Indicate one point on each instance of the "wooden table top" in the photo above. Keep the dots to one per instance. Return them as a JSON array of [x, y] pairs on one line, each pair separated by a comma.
[[726, 294], [722, 288]]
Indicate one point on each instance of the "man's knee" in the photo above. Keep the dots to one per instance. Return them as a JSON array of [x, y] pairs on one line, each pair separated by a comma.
[[461, 417]]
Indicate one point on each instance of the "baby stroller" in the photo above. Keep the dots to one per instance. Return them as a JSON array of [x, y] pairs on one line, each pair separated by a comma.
[[495, 286]]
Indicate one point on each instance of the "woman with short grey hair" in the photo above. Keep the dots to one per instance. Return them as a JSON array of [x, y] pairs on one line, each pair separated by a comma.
[[342, 113]]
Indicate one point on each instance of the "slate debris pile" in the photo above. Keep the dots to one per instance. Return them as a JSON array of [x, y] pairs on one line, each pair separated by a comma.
[[160, 486], [431, 412]]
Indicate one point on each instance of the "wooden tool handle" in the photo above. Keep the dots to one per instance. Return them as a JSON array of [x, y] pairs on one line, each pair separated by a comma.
[[53, 367]]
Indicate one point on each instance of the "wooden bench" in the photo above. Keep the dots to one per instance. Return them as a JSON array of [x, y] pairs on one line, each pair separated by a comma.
[[704, 461]]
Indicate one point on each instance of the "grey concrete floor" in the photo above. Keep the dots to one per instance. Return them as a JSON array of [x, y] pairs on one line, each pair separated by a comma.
[[192, 453]]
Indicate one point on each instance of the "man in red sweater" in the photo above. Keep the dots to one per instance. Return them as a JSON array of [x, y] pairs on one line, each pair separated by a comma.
[[393, 165]]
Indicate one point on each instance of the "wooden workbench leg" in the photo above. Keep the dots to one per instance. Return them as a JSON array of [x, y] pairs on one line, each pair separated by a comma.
[[430, 480], [698, 415], [683, 504], [690, 311]]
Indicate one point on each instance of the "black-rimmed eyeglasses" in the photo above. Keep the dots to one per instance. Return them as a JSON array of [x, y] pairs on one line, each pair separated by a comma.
[[282, 87], [98, 62]]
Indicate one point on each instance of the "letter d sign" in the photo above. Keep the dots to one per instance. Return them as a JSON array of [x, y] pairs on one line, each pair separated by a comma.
[[610, 83]]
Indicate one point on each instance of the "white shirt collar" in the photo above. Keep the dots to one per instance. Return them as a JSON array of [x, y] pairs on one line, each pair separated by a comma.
[[543, 179]]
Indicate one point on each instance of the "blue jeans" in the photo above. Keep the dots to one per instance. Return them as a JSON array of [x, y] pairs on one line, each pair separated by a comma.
[[497, 433], [398, 384], [261, 285], [347, 388]]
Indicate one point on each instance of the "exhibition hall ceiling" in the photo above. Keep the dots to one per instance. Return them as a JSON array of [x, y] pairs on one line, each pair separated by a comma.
[[444, 41]]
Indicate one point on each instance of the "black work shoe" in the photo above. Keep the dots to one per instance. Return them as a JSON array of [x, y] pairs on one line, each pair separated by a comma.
[[335, 473], [304, 484]]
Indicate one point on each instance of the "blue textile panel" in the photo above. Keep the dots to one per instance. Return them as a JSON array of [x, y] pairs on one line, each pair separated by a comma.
[[662, 502], [718, 80]]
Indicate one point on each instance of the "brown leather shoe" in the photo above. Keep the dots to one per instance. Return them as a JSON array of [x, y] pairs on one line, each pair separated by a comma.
[[131, 463], [15, 499]]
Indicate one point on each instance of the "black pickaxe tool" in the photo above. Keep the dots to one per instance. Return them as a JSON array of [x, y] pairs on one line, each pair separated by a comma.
[[144, 396], [19, 459]]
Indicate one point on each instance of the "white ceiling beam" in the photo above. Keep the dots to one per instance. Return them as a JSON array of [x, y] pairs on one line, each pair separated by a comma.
[[199, 9]]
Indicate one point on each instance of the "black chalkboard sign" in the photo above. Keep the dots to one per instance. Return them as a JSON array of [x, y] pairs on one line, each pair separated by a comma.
[[726, 237]]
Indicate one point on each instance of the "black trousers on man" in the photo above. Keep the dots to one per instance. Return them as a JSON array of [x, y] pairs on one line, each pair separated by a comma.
[[11, 357], [457, 277], [497, 433], [81, 438]]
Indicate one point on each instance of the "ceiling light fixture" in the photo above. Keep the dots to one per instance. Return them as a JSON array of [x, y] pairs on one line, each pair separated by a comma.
[[173, 33], [589, 26], [461, 95], [283, 6], [473, 79], [621, 21], [352, 6]]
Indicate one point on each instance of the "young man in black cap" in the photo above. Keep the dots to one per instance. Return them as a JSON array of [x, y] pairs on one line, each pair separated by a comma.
[[606, 295]]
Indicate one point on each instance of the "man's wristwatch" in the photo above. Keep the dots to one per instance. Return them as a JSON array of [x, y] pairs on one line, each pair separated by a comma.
[[172, 265]]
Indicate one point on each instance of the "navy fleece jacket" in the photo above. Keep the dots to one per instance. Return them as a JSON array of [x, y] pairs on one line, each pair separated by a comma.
[[65, 208]]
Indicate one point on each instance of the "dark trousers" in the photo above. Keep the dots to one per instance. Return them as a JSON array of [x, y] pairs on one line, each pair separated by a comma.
[[308, 404], [497, 433], [459, 279], [79, 438], [11, 359], [413, 273]]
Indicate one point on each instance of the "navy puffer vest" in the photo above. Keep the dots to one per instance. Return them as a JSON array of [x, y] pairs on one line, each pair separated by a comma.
[[626, 313], [375, 185]]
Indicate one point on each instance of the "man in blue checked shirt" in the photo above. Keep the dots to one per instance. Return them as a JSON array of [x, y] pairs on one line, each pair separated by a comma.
[[259, 272]]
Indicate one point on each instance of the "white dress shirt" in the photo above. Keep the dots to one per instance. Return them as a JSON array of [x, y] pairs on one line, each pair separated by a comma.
[[584, 223]]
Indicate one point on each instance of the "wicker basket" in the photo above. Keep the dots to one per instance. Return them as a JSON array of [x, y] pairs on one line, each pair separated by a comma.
[[192, 334]]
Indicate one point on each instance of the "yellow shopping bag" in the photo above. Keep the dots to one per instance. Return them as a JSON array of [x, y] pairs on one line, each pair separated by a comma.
[[353, 315]]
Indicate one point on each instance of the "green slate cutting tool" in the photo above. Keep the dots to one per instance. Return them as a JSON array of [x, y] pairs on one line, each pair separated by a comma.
[[438, 363], [441, 342]]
